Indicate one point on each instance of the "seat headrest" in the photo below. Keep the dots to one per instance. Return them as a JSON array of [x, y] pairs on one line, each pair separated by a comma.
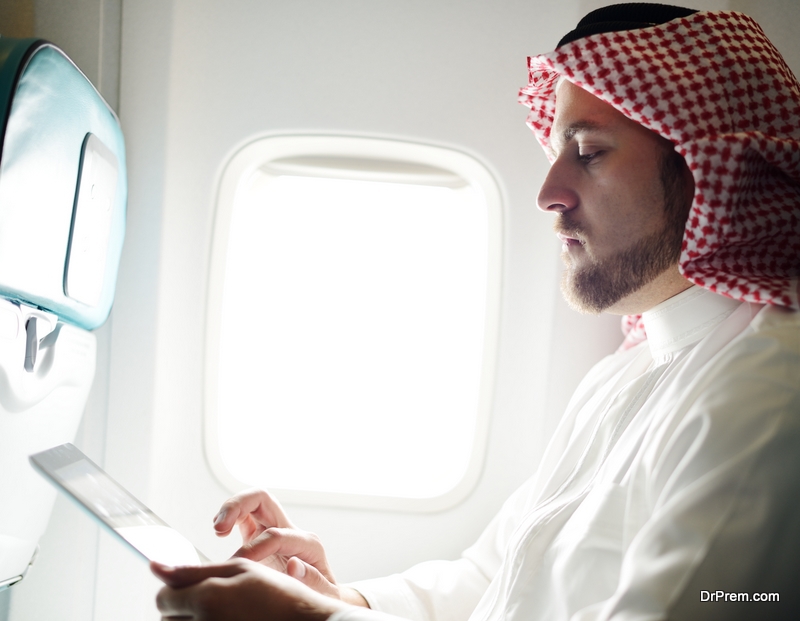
[[63, 186]]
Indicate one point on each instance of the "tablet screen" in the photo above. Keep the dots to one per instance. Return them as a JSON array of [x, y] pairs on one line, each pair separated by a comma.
[[117, 509]]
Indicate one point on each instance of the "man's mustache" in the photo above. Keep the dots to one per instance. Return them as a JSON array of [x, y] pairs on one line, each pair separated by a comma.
[[566, 226]]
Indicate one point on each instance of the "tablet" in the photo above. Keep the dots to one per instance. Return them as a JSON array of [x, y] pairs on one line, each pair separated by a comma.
[[114, 507]]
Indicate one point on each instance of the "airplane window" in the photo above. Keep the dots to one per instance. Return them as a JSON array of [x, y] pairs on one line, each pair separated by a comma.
[[349, 359]]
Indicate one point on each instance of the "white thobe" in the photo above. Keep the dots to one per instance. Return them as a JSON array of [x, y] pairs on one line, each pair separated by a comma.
[[673, 475]]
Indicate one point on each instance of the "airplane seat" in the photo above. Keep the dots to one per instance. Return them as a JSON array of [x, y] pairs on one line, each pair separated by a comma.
[[63, 189]]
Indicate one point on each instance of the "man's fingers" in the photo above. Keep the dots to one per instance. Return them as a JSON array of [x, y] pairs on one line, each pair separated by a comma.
[[252, 592], [203, 601], [175, 603], [181, 577], [271, 541], [308, 575], [287, 542], [257, 504], [249, 529]]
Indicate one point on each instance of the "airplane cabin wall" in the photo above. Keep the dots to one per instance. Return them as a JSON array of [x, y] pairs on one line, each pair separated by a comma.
[[191, 80], [445, 73]]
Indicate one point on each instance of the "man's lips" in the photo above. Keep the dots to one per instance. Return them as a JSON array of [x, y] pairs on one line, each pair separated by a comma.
[[569, 241]]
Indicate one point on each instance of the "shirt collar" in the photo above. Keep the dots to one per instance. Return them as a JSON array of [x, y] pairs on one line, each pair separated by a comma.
[[684, 319]]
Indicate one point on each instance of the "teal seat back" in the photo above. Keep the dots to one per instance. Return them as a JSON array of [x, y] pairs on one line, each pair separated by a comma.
[[63, 186]]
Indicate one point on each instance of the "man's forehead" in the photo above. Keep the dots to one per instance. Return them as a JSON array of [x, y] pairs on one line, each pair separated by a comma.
[[579, 112], [573, 103]]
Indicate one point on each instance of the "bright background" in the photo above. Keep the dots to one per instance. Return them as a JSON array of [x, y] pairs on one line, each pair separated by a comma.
[[352, 330]]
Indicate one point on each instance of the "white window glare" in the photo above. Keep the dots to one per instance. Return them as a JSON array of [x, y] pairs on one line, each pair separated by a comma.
[[349, 341]]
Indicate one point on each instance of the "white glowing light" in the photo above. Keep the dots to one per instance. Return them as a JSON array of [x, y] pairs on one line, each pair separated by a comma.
[[351, 338]]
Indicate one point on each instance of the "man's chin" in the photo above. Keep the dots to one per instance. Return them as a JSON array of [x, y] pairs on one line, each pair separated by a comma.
[[583, 297], [595, 290], [602, 289]]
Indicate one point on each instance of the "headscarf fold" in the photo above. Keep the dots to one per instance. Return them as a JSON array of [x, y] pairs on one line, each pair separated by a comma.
[[716, 87]]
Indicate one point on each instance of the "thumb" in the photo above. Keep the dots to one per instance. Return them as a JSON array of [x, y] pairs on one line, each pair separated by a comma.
[[180, 577], [311, 577]]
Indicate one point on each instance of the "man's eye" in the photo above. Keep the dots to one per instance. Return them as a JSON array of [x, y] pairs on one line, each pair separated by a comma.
[[588, 157]]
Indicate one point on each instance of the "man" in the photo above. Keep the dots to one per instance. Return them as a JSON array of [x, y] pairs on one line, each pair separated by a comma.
[[669, 489]]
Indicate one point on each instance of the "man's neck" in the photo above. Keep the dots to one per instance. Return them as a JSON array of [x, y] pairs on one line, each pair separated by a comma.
[[666, 285]]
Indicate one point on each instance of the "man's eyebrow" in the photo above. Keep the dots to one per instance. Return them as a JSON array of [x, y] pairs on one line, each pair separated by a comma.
[[575, 128], [581, 126]]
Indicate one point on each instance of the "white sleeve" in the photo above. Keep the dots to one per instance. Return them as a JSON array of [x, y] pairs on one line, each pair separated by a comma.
[[362, 614], [449, 590], [430, 591], [724, 488]]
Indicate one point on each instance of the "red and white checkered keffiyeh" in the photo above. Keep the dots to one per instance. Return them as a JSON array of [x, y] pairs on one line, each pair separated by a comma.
[[714, 85]]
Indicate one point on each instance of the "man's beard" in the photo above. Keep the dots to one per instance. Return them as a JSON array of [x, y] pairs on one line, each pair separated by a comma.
[[601, 284]]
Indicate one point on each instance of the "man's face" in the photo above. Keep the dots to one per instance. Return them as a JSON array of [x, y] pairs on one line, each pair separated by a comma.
[[621, 204]]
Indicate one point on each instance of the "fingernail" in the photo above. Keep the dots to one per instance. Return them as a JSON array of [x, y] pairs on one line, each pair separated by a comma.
[[300, 569], [220, 516]]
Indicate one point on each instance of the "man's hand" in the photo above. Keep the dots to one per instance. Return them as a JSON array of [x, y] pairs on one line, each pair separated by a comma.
[[237, 590], [270, 538]]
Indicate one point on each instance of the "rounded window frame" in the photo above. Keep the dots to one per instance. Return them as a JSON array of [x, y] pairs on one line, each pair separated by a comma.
[[263, 151]]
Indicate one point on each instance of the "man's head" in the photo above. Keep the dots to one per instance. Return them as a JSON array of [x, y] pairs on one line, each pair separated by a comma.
[[712, 85], [623, 218], [621, 195]]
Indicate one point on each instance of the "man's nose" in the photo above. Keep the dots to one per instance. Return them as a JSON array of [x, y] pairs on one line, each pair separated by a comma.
[[558, 190]]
